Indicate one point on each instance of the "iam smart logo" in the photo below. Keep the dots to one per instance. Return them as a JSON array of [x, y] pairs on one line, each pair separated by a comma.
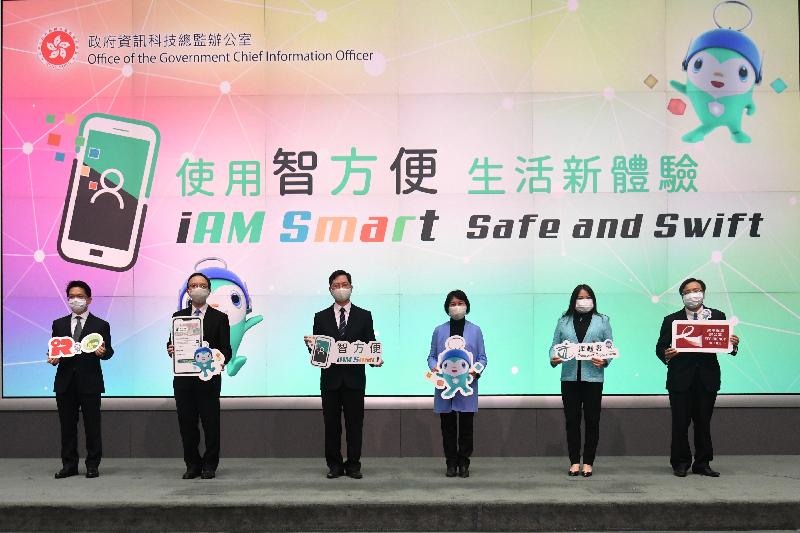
[[58, 47]]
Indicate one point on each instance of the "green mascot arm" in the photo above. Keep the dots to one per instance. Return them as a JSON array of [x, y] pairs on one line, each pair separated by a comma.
[[680, 87], [751, 107], [252, 321]]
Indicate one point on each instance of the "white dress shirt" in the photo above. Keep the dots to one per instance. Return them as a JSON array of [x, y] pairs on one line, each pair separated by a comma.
[[74, 322], [337, 307]]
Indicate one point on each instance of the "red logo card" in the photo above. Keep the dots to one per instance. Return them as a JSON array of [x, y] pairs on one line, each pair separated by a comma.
[[709, 336]]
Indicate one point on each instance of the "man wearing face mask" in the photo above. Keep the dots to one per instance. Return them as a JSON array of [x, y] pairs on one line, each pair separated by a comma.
[[693, 379], [342, 386], [195, 399], [79, 382]]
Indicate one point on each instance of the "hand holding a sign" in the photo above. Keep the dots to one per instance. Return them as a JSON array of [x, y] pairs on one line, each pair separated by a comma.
[[93, 343], [456, 370], [669, 353], [599, 353]]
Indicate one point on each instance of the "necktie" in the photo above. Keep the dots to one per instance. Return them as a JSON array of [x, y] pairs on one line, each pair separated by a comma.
[[695, 316], [197, 313], [76, 335], [342, 323]]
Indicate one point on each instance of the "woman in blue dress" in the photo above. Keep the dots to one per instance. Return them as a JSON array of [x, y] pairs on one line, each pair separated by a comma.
[[456, 410]]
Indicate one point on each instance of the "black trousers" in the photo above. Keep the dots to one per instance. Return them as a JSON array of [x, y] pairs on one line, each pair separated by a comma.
[[199, 403], [695, 405], [351, 403], [457, 437], [69, 403], [586, 396]]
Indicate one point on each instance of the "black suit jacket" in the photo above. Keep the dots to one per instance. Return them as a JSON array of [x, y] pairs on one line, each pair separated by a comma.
[[682, 368], [359, 328], [217, 333], [84, 368]]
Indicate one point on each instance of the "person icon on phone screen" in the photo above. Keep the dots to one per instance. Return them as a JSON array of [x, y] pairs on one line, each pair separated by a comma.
[[114, 190]]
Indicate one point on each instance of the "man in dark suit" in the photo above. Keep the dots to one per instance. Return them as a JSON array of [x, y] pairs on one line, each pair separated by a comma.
[[693, 379], [342, 386], [79, 382], [196, 399]]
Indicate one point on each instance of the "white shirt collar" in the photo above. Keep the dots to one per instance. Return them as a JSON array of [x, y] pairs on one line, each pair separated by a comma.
[[346, 307], [690, 313], [202, 310], [82, 315], [337, 307]]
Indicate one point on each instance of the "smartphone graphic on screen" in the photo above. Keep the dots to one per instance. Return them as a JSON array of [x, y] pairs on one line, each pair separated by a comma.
[[322, 348], [109, 185]]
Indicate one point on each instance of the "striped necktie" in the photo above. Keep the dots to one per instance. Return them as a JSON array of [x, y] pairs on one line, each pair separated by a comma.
[[342, 323]]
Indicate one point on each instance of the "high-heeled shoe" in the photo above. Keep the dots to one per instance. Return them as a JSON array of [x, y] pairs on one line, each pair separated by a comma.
[[573, 473], [586, 473]]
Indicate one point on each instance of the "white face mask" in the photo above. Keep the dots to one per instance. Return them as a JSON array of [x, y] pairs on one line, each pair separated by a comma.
[[693, 300], [457, 312], [77, 305], [199, 295], [584, 305], [342, 294]]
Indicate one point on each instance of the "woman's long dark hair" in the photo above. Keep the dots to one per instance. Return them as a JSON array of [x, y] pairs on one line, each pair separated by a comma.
[[574, 298]]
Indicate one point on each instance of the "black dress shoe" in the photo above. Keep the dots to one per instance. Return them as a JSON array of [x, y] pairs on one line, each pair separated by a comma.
[[354, 473], [92, 472], [208, 474], [333, 473], [705, 470], [191, 473], [679, 472], [66, 472], [571, 473], [451, 471], [586, 473], [463, 471]]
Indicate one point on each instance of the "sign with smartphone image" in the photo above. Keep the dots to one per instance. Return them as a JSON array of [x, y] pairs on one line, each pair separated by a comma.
[[106, 202], [321, 351], [326, 351]]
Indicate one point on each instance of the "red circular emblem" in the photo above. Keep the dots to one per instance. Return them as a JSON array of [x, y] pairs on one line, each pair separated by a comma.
[[58, 47]]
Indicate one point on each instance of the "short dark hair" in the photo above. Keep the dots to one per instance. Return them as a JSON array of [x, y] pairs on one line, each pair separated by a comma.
[[198, 274], [691, 280], [574, 298], [80, 285], [336, 274], [458, 293]]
